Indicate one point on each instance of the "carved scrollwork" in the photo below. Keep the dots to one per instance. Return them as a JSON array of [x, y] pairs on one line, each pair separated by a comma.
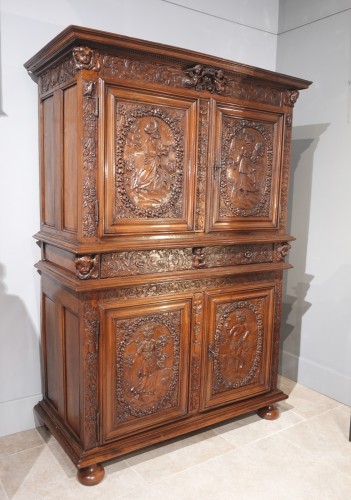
[[86, 58], [202, 165], [281, 251], [87, 267], [205, 78], [288, 120]]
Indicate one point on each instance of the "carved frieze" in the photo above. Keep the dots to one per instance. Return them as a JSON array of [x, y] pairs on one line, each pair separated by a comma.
[[170, 260], [238, 343], [149, 161], [147, 364], [57, 75], [145, 262], [186, 285]]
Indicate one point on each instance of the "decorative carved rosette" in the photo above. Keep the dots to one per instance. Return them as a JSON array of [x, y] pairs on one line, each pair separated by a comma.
[[150, 189], [247, 358], [234, 199]]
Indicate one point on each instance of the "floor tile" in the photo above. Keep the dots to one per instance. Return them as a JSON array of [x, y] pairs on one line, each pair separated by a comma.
[[265, 470], [326, 437], [248, 428], [304, 401], [179, 454], [20, 441]]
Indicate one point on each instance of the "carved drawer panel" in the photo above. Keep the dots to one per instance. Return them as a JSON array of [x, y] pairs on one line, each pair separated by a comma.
[[150, 154], [146, 365], [245, 179], [238, 344], [168, 260]]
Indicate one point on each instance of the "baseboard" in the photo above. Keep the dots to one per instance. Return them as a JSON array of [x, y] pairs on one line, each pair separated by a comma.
[[18, 415], [315, 376]]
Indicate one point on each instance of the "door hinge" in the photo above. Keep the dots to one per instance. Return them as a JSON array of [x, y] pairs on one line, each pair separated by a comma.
[[96, 212], [97, 335], [96, 110]]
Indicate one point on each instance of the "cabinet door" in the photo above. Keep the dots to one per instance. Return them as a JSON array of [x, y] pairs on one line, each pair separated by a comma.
[[245, 169], [149, 181], [239, 344], [145, 372]]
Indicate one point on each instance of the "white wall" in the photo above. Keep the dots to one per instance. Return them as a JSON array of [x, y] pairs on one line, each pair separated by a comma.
[[242, 31], [315, 42]]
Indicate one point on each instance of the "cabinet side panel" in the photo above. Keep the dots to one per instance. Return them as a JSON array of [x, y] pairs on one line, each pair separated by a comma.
[[53, 354], [48, 162], [72, 358], [70, 166]]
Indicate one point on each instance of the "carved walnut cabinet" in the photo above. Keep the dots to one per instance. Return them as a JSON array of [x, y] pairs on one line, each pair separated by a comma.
[[164, 182]]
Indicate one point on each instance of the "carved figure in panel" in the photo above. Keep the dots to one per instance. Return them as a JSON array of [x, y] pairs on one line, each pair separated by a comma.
[[87, 267], [147, 364], [149, 159], [246, 167], [238, 344], [205, 78]]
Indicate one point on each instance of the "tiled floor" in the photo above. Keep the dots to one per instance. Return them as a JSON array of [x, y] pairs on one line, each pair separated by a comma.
[[305, 454]]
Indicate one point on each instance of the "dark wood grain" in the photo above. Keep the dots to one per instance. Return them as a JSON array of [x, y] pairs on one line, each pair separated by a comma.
[[164, 182]]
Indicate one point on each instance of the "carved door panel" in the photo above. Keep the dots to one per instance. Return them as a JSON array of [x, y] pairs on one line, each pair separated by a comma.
[[149, 182], [145, 376], [246, 169], [239, 344]]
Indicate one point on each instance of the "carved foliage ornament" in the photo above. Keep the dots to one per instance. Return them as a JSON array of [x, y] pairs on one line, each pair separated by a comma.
[[205, 78]]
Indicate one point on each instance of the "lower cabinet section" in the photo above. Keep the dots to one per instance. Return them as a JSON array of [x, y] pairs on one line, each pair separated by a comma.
[[145, 365], [239, 335], [128, 367]]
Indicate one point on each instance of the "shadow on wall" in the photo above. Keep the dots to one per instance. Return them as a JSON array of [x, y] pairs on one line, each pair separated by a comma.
[[297, 284], [19, 353]]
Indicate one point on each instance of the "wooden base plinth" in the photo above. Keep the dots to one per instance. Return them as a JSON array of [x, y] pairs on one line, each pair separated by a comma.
[[90, 476], [270, 412]]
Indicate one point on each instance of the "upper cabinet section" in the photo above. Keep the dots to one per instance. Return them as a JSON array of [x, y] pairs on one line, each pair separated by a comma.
[[150, 174], [143, 144], [244, 184]]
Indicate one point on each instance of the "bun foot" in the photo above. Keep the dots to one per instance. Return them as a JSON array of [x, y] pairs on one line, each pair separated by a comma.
[[90, 476], [270, 412]]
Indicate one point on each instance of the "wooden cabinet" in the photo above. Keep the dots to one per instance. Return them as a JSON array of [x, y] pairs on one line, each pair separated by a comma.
[[164, 183]]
